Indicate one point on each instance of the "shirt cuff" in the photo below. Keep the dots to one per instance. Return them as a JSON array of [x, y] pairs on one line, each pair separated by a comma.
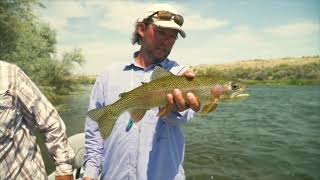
[[181, 117], [64, 169], [91, 172]]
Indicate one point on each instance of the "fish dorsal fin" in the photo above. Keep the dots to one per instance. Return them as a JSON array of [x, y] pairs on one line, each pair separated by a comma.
[[160, 72]]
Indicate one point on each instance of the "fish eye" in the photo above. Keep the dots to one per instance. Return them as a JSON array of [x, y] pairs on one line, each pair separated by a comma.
[[234, 86]]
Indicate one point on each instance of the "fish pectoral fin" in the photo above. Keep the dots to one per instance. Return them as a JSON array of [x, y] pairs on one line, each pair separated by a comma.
[[137, 114], [210, 107], [163, 111]]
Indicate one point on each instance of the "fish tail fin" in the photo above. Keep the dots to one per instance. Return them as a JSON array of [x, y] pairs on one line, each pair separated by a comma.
[[106, 118]]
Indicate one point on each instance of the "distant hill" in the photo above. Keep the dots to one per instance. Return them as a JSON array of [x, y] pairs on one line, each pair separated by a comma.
[[292, 70], [261, 63]]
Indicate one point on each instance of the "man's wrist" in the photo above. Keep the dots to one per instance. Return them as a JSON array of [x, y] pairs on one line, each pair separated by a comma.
[[64, 177]]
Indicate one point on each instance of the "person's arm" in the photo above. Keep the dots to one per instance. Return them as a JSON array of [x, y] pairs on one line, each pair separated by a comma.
[[93, 139], [37, 109]]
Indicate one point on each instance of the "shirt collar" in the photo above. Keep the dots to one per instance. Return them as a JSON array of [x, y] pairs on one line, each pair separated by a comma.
[[133, 65]]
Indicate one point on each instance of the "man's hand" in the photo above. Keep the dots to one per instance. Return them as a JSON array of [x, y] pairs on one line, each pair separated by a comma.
[[177, 102], [66, 177]]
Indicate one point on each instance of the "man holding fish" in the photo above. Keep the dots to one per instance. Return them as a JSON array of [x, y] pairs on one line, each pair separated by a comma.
[[133, 129], [153, 147]]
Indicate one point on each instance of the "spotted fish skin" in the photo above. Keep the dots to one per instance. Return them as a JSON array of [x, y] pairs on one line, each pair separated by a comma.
[[208, 89]]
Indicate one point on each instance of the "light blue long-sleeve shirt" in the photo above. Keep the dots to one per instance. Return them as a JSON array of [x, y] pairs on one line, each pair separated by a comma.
[[152, 149]]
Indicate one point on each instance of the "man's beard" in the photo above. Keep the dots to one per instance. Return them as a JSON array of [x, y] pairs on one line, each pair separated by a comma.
[[155, 59]]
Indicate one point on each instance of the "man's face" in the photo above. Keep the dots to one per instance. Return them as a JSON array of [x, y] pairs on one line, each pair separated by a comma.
[[158, 42]]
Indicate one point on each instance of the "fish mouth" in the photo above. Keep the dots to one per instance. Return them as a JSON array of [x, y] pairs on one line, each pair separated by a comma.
[[243, 95], [235, 97]]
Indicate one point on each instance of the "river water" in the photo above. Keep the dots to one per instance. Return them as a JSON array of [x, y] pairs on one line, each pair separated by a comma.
[[274, 134]]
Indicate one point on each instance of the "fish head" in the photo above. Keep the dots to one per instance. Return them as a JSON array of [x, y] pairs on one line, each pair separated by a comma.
[[232, 90]]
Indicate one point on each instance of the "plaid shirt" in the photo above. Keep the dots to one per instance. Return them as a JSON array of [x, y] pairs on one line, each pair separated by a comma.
[[22, 107]]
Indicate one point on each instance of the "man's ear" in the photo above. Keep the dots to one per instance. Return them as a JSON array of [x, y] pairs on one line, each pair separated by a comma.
[[141, 29]]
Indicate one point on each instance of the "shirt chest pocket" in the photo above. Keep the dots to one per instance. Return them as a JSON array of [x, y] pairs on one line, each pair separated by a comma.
[[7, 112]]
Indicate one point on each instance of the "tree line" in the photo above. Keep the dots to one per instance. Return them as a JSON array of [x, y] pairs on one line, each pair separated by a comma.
[[30, 43]]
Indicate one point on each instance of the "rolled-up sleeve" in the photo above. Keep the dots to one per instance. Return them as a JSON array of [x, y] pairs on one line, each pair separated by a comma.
[[93, 138], [40, 111], [180, 117]]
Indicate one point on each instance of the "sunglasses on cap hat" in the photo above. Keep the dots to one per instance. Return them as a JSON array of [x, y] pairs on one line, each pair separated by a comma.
[[167, 16]]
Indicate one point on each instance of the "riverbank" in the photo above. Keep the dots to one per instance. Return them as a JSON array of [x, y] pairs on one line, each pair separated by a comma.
[[298, 82], [282, 71]]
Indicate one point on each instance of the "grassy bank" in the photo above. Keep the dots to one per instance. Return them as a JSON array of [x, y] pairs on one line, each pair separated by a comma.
[[299, 82], [287, 71]]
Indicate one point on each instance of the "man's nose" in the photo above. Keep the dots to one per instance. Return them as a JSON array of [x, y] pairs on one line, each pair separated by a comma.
[[168, 38]]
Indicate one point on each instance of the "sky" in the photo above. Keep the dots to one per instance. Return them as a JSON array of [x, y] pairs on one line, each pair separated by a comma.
[[218, 31]]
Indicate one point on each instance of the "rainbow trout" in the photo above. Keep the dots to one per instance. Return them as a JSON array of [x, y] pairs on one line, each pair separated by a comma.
[[208, 89]]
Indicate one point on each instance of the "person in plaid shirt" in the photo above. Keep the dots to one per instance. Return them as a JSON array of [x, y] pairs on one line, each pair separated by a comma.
[[23, 107]]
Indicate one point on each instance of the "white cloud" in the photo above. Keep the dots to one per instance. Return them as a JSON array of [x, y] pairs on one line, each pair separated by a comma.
[[99, 54], [57, 13], [67, 9], [56, 22], [244, 42], [120, 16], [198, 22], [242, 36], [295, 29], [241, 42]]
